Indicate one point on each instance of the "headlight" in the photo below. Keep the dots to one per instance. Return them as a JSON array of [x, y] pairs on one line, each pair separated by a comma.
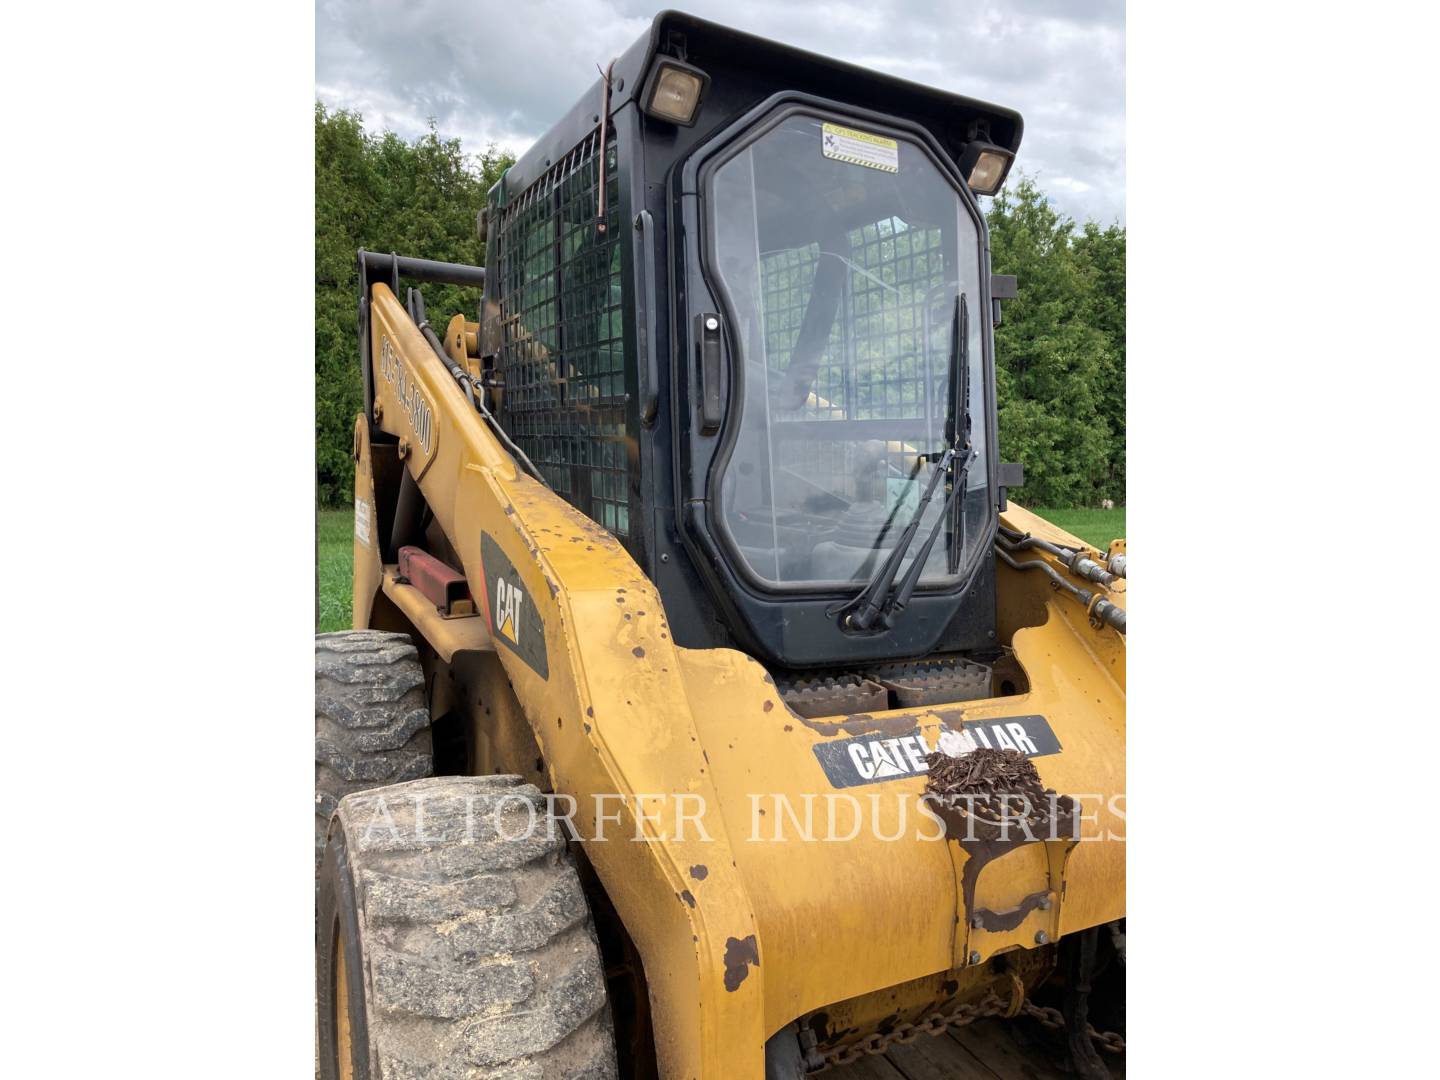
[[985, 166], [674, 91]]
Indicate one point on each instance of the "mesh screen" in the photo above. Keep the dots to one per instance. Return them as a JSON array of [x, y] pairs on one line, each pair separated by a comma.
[[562, 349], [881, 369]]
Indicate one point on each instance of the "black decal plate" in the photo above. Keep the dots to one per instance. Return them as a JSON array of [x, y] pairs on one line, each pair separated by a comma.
[[873, 759], [510, 609]]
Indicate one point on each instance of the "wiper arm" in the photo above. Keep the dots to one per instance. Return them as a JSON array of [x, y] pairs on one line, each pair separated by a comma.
[[868, 604], [912, 576], [875, 602]]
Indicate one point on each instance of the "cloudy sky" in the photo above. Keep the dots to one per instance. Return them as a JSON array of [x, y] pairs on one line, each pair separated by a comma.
[[502, 72]]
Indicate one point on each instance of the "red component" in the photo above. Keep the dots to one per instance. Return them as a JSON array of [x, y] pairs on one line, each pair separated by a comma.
[[442, 585]]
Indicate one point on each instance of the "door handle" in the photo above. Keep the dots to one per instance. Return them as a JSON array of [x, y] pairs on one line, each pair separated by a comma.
[[707, 341], [645, 324]]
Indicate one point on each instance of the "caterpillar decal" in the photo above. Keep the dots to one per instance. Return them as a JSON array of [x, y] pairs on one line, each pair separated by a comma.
[[510, 609], [871, 759]]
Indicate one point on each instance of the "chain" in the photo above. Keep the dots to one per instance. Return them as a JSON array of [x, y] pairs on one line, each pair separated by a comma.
[[1112, 1041], [938, 1024]]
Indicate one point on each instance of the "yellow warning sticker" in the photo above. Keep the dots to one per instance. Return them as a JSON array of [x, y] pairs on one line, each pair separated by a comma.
[[860, 148]]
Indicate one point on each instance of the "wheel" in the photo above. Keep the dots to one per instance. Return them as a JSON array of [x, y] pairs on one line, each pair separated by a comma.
[[453, 943], [371, 723]]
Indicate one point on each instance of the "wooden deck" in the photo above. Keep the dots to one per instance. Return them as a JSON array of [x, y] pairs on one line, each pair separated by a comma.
[[986, 1050]]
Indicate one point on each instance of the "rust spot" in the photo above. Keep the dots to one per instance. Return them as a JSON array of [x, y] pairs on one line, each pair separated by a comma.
[[687, 897], [769, 705], [699, 872], [739, 955], [789, 727], [587, 729], [1010, 918], [861, 724], [638, 651]]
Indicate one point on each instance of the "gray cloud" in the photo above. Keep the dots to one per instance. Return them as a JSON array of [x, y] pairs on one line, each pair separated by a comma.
[[502, 72]]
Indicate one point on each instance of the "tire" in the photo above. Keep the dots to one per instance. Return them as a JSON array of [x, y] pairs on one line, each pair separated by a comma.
[[467, 954], [372, 726]]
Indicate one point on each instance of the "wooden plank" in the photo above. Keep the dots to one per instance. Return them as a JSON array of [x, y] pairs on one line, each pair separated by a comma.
[[994, 1044], [937, 1057], [991, 1049], [869, 1067]]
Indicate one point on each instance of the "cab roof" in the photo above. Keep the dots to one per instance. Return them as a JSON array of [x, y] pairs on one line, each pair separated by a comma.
[[768, 66]]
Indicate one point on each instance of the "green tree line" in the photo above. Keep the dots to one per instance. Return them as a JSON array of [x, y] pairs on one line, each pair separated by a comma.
[[1060, 348]]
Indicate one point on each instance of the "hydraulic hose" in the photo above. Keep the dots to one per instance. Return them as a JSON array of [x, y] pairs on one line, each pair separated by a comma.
[[468, 383], [1098, 608], [463, 378], [1077, 562]]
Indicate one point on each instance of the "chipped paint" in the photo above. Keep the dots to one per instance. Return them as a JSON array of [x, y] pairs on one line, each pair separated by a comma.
[[740, 953]]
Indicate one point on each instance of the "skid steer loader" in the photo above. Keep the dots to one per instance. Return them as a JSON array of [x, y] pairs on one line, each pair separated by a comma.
[[677, 561]]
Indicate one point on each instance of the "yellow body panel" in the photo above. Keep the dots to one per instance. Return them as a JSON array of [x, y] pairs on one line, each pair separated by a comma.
[[740, 933]]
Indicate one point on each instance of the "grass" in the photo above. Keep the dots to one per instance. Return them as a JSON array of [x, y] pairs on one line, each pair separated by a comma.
[[1097, 527], [335, 551]]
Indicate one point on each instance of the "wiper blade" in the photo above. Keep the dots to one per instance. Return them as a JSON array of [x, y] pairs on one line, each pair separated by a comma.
[[959, 399]]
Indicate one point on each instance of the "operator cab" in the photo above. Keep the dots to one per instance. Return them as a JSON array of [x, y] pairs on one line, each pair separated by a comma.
[[745, 323]]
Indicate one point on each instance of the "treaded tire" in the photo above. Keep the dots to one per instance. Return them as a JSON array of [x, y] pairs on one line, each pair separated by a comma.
[[372, 726], [468, 954]]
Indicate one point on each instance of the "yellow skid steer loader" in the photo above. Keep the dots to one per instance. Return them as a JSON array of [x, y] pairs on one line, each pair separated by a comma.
[[681, 562]]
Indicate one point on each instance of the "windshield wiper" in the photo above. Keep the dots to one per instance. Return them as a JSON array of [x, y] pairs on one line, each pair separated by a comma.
[[869, 603], [875, 602]]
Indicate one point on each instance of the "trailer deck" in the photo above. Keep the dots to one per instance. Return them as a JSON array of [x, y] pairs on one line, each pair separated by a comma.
[[986, 1050]]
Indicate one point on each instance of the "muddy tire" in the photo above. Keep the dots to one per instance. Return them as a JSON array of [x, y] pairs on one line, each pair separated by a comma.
[[446, 949], [372, 726]]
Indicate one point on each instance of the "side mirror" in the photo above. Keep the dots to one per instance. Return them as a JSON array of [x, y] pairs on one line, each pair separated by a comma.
[[1002, 287], [1011, 475]]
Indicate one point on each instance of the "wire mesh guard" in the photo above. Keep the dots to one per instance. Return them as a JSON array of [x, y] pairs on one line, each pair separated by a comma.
[[562, 352], [885, 358]]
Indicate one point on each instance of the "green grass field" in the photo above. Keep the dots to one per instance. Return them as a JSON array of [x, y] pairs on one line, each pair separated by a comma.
[[334, 553], [1097, 527], [336, 536]]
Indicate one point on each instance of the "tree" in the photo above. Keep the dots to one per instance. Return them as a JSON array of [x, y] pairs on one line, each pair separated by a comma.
[[386, 194], [1101, 255], [1057, 369]]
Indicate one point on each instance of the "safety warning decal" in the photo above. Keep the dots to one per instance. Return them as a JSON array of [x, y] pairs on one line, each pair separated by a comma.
[[510, 609], [871, 759], [860, 148], [362, 521]]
